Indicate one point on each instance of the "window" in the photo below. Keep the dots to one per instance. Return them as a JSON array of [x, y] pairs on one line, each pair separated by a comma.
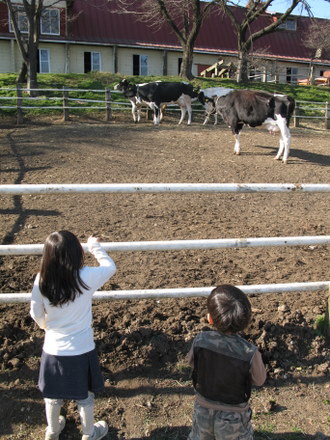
[[50, 22], [22, 21], [291, 74], [289, 24], [140, 65], [255, 74], [92, 61], [43, 61]]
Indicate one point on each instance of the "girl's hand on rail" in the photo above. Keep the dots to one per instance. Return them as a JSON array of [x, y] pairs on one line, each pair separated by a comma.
[[91, 241]]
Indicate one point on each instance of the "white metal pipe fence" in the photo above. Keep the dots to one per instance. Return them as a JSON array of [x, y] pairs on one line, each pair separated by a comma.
[[45, 100], [186, 292], [175, 244], [178, 245], [161, 187]]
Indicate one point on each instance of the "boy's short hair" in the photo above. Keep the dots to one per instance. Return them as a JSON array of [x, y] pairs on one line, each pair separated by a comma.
[[229, 309]]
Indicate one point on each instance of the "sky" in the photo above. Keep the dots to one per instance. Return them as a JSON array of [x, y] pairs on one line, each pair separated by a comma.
[[320, 8]]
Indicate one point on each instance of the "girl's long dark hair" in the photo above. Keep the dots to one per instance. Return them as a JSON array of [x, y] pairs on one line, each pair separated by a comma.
[[63, 257]]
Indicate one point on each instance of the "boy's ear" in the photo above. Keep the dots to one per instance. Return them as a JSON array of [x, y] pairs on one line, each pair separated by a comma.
[[209, 318]]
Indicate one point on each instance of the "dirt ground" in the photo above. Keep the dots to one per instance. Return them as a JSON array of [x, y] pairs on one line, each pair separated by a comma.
[[143, 343]]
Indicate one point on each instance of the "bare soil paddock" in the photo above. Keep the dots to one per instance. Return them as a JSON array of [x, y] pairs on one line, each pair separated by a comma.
[[142, 344]]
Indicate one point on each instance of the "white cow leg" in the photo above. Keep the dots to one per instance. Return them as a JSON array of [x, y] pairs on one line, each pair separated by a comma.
[[280, 149], [237, 148], [138, 112], [156, 110], [189, 115], [215, 119], [206, 120], [285, 139], [287, 143], [133, 112], [183, 112]]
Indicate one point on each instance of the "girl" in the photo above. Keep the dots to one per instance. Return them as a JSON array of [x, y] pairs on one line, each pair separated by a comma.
[[61, 304]]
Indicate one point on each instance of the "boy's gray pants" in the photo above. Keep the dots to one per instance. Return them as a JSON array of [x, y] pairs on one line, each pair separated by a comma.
[[210, 424]]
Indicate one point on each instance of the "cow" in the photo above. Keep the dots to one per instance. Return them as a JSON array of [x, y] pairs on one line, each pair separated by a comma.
[[255, 108], [159, 93], [129, 91], [207, 98]]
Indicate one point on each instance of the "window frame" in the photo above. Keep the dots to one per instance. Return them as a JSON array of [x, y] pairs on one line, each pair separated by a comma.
[[58, 21], [20, 15], [292, 75], [42, 62], [289, 27], [92, 63], [141, 66]]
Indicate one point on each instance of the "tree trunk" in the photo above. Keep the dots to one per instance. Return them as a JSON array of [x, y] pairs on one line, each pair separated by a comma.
[[242, 74], [311, 72], [22, 76], [32, 82], [187, 62]]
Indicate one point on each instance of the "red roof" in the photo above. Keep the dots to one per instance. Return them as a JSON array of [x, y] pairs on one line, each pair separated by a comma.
[[100, 23]]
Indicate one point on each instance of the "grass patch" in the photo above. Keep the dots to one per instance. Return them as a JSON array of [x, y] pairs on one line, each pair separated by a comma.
[[321, 325], [98, 80], [91, 88]]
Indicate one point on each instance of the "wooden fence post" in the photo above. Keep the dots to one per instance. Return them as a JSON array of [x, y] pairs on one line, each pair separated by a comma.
[[327, 116], [65, 104], [108, 111], [19, 104], [296, 116]]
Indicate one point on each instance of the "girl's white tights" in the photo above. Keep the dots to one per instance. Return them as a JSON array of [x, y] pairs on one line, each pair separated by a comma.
[[53, 409], [85, 409], [86, 413]]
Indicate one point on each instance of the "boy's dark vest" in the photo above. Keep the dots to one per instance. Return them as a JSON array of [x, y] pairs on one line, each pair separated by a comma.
[[222, 367]]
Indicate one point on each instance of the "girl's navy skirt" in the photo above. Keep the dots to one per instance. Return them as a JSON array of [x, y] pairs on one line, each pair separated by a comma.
[[70, 377]]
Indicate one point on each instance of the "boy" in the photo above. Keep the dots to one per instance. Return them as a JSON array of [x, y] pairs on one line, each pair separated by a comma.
[[225, 366]]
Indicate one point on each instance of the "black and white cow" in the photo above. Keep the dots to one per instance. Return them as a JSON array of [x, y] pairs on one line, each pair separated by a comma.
[[207, 98], [159, 93], [129, 91], [256, 108]]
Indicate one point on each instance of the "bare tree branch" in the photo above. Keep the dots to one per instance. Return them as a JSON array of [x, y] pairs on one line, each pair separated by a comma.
[[242, 26], [183, 17]]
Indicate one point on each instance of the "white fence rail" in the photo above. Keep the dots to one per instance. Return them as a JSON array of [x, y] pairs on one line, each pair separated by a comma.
[[161, 187], [36, 249], [60, 100], [187, 292], [178, 245]]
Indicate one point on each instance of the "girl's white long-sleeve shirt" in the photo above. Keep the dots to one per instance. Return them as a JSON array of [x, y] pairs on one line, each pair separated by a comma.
[[68, 328]]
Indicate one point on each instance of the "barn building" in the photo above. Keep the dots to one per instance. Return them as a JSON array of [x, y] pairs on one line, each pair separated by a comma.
[[80, 36]]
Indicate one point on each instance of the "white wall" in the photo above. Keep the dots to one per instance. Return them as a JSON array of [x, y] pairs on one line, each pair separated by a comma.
[[69, 58]]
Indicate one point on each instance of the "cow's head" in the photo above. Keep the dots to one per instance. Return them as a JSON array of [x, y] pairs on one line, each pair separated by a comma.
[[195, 92], [123, 85], [201, 98]]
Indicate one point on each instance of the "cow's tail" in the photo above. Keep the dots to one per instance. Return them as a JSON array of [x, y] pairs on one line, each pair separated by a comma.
[[290, 109]]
